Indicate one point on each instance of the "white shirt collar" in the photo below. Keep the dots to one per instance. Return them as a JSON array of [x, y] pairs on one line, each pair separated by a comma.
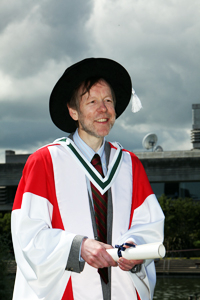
[[85, 149]]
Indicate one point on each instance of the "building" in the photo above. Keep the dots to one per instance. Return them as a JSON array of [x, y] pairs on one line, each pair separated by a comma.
[[176, 173], [10, 174], [173, 173]]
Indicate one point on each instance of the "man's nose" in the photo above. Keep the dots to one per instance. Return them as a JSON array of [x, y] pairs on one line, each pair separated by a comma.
[[102, 106]]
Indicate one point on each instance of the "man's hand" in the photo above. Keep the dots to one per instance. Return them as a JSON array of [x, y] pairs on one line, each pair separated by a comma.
[[127, 265], [95, 254]]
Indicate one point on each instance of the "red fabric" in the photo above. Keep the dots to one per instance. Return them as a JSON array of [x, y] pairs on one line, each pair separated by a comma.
[[38, 179], [138, 295], [141, 186], [68, 294]]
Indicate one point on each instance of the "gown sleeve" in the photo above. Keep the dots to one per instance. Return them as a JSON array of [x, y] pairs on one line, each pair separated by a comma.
[[41, 244]]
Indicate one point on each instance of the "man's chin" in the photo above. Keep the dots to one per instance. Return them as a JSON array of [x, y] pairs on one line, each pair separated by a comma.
[[101, 133], [96, 132]]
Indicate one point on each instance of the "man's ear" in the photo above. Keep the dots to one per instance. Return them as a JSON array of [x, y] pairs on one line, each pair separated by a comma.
[[73, 113]]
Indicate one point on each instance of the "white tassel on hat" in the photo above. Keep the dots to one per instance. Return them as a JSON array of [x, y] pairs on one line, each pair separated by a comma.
[[136, 103]]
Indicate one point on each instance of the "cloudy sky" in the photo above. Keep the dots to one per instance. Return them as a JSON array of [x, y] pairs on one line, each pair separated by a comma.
[[156, 41]]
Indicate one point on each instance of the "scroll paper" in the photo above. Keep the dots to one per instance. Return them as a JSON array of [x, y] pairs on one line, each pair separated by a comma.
[[146, 251]]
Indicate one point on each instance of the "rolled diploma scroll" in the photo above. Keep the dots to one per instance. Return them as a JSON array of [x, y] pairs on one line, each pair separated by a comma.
[[146, 251]]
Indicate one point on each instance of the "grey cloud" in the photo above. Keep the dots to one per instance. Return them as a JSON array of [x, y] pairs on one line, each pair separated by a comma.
[[158, 43], [49, 30], [169, 139], [23, 111], [28, 134], [12, 11]]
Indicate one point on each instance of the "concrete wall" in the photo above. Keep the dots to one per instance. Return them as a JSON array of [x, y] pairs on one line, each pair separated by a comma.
[[172, 169]]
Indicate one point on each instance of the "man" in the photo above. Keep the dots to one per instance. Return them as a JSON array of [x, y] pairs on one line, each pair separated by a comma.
[[81, 195]]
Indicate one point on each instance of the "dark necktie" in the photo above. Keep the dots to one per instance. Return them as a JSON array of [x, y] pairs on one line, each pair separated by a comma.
[[100, 207]]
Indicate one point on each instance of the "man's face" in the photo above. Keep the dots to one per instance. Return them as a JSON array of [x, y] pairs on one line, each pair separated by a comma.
[[96, 114]]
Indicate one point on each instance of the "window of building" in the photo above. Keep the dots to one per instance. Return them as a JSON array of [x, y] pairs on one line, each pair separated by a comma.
[[190, 189], [7, 194], [177, 189]]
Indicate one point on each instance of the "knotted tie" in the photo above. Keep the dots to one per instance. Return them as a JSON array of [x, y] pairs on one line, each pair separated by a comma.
[[100, 207]]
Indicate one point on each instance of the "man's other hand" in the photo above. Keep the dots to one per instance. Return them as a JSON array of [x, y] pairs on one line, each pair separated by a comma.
[[127, 265], [95, 254]]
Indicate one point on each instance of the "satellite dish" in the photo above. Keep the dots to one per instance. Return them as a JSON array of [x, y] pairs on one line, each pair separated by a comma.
[[149, 141], [158, 149]]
